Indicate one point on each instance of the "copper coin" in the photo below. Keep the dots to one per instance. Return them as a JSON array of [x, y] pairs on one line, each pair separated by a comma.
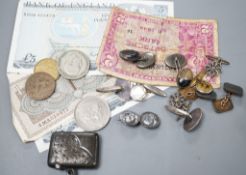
[[223, 105], [188, 93], [204, 87], [40, 86], [192, 124]]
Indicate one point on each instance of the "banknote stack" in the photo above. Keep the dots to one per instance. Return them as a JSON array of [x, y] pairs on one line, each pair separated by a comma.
[[76, 46]]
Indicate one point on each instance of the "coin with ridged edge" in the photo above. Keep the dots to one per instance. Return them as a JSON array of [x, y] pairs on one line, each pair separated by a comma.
[[49, 66], [92, 113], [73, 64], [40, 86]]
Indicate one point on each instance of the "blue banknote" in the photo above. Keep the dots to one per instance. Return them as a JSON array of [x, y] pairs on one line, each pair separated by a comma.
[[49, 28]]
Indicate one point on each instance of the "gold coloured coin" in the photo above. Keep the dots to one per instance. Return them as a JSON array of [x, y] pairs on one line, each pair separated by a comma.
[[40, 86], [49, 66], [204, 87]]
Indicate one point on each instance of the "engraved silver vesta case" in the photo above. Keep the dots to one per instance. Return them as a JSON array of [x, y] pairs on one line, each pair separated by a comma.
[[73, 150]]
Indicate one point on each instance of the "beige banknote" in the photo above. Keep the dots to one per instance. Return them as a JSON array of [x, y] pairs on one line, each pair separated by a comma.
[[33, 119], [127, 30]]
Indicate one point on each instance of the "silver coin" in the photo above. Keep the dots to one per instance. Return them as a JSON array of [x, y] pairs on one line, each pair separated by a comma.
[[92, 113], [155, 90], [73, 64], [138, 93], [109, 89], [150, 120], [147, 60], [192, 124], [175, 61], [129, 118]]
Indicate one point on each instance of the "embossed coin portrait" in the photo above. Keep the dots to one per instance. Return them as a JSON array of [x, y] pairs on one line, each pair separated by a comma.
[[73, 66]]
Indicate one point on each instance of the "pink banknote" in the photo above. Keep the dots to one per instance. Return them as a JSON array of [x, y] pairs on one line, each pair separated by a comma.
[[127, 30]]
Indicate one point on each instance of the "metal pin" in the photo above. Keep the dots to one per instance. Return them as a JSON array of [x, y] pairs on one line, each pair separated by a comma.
[[155, 90], [109, 89], [177, 64], [179, 112]]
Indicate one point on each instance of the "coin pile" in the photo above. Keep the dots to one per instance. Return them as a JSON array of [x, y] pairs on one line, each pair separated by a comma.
[[92, 113], [191, 88], [41, 84], [72, 64], [142, 61]]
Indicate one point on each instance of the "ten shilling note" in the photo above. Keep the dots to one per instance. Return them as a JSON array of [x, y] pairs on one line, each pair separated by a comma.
[[128, 30]]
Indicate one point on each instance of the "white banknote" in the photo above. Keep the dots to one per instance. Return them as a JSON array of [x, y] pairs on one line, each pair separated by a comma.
[[47, 28], [34, 119]]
